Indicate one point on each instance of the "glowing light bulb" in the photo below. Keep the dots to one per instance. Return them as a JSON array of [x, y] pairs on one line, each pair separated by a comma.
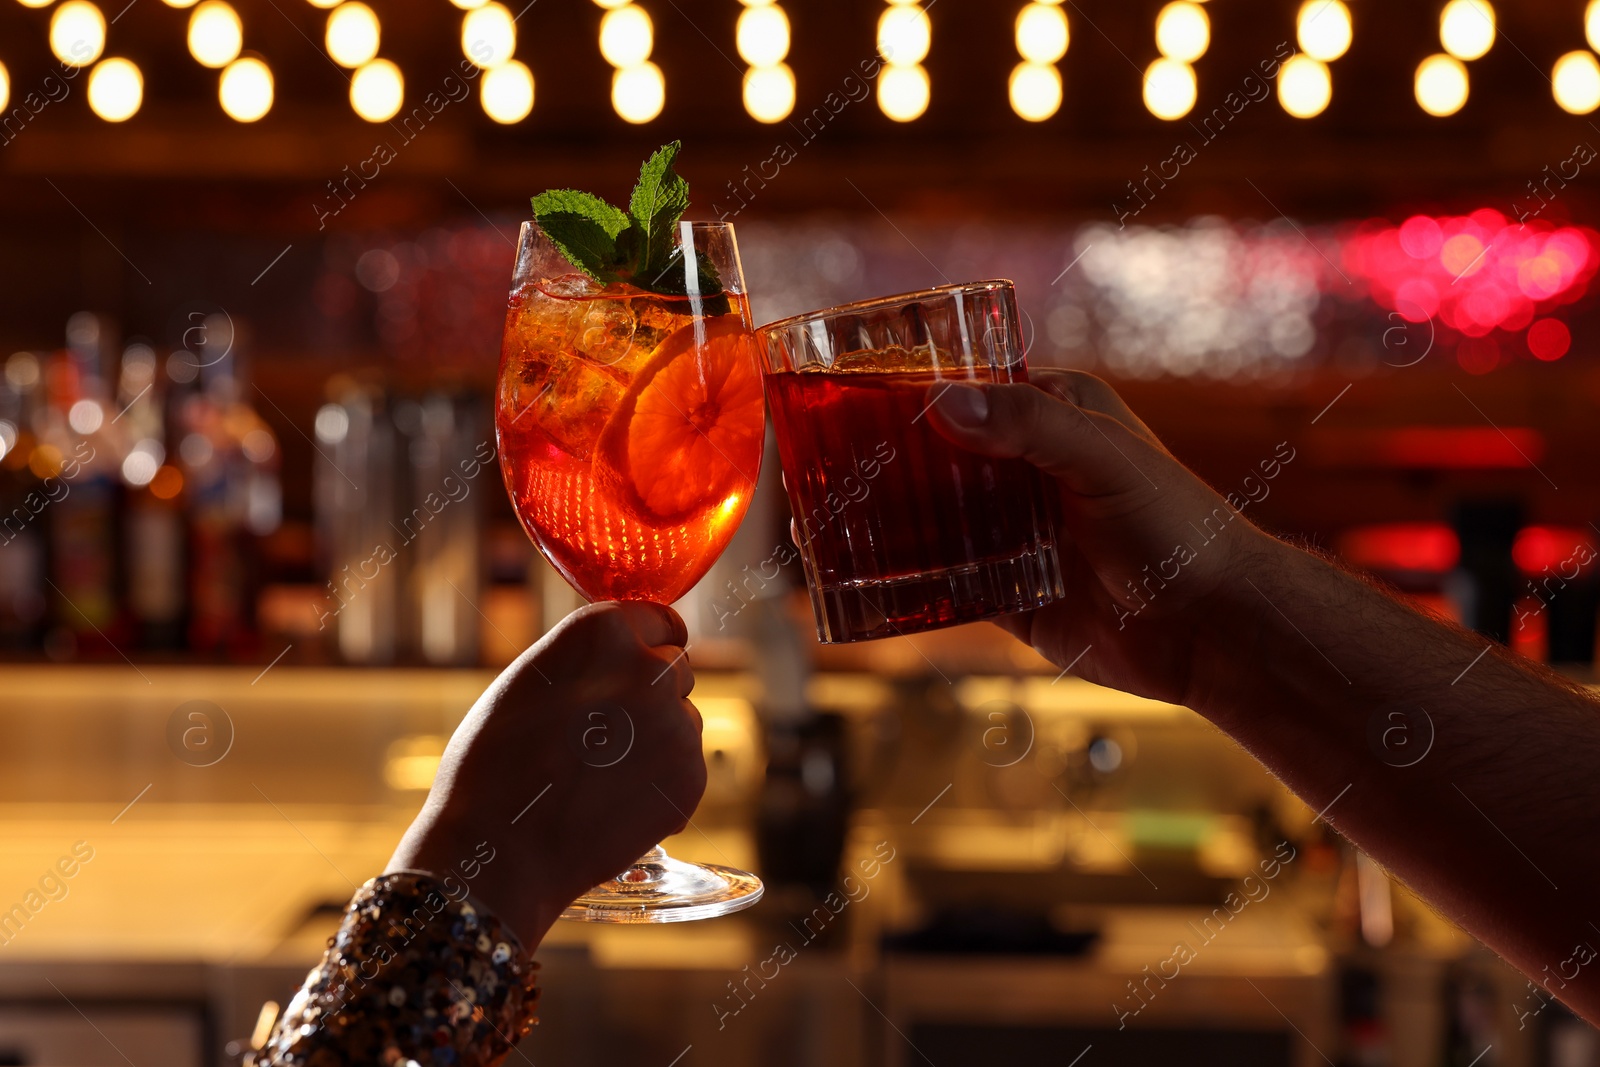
[[323, 4], [1035, 90], [1441, 85], [763, 35], [1466, 28], [246, 89], [638, 93], [1576, 82], [1169, 89], [1304, 86], [377, 90], [1591, 23], [609, 4], [489, 35], [769, 91], [626, 36], [905, 34], [507, 92], [1041, 33], [5, 87], [43, 3], [116, 89], [352, 36], [1183, 31], [1323, 29], [215, 34], [180, 4], [464, 5], [77, 33], [903, 92]]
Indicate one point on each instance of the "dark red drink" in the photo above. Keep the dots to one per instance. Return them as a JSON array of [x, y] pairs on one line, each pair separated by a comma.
[[900, 530]]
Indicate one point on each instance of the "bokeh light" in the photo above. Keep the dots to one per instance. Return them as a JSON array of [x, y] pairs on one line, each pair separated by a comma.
[[377, 90], [507, 92], [1549, 339], [1324, 29], [1035, 90], [246, 89], [1042, 35], [116, 89], [903, 92], [1466, 28], [905, 34], [1441, 85], [489, 35], [1575, 81], [1591, 24], [1183, 31], [762, 35], [1169, 89], [1305, 86], [769, 92], [626, 36], [352, 35], [215, 34], [638, 93], [1474, 274], [77, 33]]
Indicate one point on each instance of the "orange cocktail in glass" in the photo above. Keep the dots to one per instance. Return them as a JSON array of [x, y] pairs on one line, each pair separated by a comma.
[[630, 422]]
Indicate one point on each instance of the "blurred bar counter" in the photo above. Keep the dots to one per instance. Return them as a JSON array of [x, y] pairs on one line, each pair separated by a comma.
[[1018, 860]]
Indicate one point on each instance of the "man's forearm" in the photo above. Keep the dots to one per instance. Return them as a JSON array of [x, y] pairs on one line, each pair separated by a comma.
[[1471, 774]]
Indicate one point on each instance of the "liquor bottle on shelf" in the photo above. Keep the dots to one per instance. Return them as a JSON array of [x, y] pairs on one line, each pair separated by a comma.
[[79, 457], [23, 509], [357, 484], [229, 461], [450, 443], [154, 562]]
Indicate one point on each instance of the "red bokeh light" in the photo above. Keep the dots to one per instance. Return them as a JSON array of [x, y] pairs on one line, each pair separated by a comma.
[[1476, 274], [1405, 546], [1478, 355], [1539, 549], [1549, 339]]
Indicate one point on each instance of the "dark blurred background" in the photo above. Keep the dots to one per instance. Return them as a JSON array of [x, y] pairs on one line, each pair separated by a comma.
[[253, 271]]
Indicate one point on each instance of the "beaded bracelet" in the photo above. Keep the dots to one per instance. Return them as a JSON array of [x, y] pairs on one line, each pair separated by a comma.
[[417, 976]]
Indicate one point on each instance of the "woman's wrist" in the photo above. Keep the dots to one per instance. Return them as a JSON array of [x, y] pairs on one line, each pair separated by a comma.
[[497, 872]]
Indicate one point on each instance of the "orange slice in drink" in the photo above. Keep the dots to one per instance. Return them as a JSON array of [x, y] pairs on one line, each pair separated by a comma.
[[688, 431]]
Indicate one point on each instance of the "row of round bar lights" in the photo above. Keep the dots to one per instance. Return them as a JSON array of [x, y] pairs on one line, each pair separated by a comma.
[[78, 39], [1183, 33], [1305, 84], [905, 34], [1575, 80], [1466, 30], [351, 38], [489, 41], [627, 37], [1035, 83], [762, 37], [216, 40]]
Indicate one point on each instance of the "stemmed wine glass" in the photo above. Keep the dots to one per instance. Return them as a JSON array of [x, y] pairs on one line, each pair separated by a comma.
[[630, 426]]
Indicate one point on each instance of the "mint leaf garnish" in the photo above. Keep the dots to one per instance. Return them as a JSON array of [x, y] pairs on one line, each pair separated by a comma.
[[639, 246], [658, 202], [585, 228]]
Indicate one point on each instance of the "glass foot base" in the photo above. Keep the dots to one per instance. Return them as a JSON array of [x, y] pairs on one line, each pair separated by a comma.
[[660, 889]]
